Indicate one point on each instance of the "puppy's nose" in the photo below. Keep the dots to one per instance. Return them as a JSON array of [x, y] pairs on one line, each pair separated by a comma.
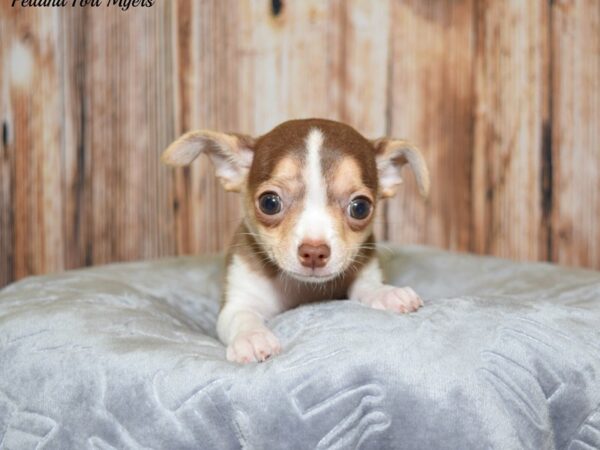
[[313, 254]]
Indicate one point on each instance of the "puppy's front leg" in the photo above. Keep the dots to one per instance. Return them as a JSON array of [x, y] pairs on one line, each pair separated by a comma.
[[247, 336], [250, 299], [369, 289]]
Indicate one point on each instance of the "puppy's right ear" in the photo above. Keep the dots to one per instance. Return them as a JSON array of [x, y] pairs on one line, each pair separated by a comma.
[[230, 154]]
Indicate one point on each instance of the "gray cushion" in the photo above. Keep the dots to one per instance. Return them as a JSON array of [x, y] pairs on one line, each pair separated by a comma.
[[503, 355]]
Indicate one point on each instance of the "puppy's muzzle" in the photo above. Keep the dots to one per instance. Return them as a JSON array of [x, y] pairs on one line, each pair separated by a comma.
[[314, 254]]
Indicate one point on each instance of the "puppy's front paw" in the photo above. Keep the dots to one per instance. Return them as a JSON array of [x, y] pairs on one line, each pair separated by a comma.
[[253, 345], [392, 298]]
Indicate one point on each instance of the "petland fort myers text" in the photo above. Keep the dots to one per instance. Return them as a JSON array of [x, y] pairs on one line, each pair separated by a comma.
[[123, 4]]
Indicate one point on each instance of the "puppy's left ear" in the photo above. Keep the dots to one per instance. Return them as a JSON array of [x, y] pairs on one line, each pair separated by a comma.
[[230, 154], [391, 155]]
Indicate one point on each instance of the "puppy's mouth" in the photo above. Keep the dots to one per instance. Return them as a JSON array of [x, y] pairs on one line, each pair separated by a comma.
[[313, 276]]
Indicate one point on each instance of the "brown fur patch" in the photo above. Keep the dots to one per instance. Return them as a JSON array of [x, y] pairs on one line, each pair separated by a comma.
[[288, 138]]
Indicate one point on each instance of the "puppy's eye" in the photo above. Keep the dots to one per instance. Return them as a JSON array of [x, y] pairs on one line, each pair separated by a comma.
[[359, 208], [269, 203]]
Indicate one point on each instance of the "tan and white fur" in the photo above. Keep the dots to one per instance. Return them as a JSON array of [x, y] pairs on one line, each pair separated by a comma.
[[310, 191]]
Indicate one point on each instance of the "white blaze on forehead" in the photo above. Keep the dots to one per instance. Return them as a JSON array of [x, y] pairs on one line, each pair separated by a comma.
[[315, 222]]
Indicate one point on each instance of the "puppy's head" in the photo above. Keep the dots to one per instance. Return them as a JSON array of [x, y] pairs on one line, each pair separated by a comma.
[[311, 188]]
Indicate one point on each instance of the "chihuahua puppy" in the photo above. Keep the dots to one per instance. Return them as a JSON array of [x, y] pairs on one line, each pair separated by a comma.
[[310, 192]]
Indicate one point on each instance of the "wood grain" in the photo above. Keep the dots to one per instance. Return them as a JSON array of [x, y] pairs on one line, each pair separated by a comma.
[[431, 104], [502, 96], [76, 192], [122, 134], [576, 132], [511, 79], [7, 249], [32, 111]]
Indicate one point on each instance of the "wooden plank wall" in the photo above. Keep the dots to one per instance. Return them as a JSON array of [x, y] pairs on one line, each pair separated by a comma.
[[503, 96]]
